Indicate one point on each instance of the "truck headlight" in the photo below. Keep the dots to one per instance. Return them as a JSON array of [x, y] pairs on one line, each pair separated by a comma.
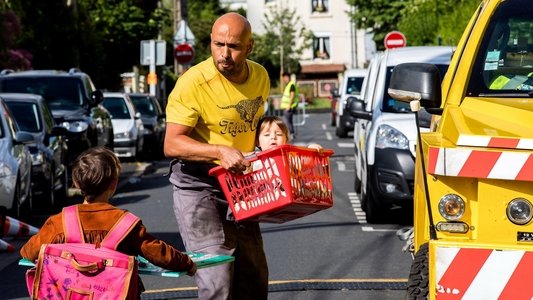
[[451, 207], [389, 137], [75, 126], [519, 211]]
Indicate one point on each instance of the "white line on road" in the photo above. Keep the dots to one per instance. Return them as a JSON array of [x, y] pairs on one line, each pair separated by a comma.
[[346, 145], [329, 137], [324, 127], [372, 229]]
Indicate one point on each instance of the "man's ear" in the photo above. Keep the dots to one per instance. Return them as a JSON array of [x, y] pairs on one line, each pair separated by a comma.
[[250, 47]]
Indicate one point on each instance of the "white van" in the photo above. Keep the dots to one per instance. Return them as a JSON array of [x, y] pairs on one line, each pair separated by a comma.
[[351, 86], [386, 138]]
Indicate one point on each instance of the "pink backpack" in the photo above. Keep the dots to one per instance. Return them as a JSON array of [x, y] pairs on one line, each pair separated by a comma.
[[77, 270]]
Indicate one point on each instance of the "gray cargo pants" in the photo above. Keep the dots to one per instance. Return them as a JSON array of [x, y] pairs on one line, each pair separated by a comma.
[[201, 212]]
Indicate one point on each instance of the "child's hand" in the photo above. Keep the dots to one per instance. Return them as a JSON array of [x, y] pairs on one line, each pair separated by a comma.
[[192, 270], [315, 146]]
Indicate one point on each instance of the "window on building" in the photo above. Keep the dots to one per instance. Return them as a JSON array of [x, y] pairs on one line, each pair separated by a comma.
[[321, 48], [319, 6]]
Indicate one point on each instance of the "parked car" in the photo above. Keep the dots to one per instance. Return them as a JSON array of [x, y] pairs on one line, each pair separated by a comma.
[[73, 100], [387, 148], [127, 124], [154, 121], [15, 165], [351, 86], [49, 150]]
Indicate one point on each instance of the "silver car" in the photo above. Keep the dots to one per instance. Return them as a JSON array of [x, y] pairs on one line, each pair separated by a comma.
[[49, 150], [15, 165], [127, 124]]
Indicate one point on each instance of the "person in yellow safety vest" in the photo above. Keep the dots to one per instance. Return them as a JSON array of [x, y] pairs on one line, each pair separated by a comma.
[[513, 82], [289, 101]]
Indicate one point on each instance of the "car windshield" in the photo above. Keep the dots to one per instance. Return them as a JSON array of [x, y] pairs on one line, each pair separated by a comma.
[[353, 86], [144, 105], [504, 63], [26, 115], [394, 106], [59, 92], [117, 107]]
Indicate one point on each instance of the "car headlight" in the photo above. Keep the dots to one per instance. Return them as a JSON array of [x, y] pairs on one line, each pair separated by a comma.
[[519, 211], [389, 137], [37, 158], [451, 207], [123, 135], [75, 126]]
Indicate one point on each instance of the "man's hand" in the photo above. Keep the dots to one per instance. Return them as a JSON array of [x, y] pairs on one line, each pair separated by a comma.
[[232, 159]]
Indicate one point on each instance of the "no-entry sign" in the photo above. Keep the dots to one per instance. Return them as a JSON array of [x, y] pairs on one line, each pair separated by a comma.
[[184, 53], [394, 39]]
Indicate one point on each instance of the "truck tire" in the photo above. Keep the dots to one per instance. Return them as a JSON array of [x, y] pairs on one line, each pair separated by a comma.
[[341, 130], [418, 284]]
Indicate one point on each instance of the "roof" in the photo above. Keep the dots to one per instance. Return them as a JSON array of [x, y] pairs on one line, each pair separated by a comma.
[[427, 54], [323, 68]]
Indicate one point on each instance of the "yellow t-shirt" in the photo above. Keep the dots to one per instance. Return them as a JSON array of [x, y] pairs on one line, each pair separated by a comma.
[[220, 111]]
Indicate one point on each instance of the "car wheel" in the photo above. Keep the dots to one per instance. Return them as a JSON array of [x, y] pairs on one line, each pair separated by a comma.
[[373, 210], [357, 184], [45, 201], [20, 210], [341, 130], [61, 194], [418, 283]]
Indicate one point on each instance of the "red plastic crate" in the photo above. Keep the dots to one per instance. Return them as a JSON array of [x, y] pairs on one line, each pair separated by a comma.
[[286, 182]]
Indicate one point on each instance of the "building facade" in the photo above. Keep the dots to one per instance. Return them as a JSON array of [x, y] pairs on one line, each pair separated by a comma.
[[337, 45]]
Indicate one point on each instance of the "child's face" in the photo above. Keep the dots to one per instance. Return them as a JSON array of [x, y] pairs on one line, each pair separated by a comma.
[[271, 136]]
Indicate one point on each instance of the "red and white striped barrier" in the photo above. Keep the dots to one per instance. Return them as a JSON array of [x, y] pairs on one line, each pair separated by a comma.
[[14, 227], [465, 273], [467, 162], [494, 142], [6, 247]]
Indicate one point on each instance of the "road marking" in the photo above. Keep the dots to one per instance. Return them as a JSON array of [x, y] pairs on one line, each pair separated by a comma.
[[372, 229], [329, 137], [341, 166], [356, 206], [346, 145], [324, 127]]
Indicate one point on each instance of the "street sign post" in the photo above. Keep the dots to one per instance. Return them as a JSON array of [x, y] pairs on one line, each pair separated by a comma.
[[184, 53], [152, 54], [394, 39]]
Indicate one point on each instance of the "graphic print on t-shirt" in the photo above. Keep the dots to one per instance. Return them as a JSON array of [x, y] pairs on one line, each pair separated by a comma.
[[247, 110]]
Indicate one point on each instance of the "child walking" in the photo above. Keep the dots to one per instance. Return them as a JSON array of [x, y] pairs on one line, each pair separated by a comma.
[[96, 173]]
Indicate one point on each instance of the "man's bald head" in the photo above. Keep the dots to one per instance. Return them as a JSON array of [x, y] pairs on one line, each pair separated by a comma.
[[231, 43], [233, 21]]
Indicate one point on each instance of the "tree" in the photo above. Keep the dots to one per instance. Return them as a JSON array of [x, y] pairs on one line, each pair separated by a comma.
[[283, 43], [381, 16]]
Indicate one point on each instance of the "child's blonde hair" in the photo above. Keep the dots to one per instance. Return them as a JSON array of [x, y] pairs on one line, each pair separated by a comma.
[[266, 122], [94, 171]]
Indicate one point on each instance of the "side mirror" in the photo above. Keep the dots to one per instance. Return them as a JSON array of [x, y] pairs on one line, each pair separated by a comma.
[[356, 108], [96, 98], [416, 81], [138, 115], [23, 137]]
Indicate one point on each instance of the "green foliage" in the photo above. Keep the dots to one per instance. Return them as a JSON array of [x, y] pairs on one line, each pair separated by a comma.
[[423, 22], [283, 43], [382, 16]]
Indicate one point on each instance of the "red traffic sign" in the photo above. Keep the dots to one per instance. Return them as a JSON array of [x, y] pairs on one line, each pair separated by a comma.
[[184, 53], [394, 39]]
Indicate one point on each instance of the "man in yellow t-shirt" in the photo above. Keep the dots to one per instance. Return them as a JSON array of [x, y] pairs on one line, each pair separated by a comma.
[[212, 115]]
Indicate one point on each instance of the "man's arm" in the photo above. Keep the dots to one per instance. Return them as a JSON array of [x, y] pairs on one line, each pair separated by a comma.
[[179, 145]]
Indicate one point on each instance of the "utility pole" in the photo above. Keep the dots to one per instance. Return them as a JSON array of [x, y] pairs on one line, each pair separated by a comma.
[[177, 19]]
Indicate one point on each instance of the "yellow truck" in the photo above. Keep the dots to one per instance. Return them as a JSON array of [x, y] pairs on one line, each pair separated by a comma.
[[473, 234]]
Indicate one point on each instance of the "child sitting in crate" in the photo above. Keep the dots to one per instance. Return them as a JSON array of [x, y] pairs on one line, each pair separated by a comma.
[[272, 131]]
